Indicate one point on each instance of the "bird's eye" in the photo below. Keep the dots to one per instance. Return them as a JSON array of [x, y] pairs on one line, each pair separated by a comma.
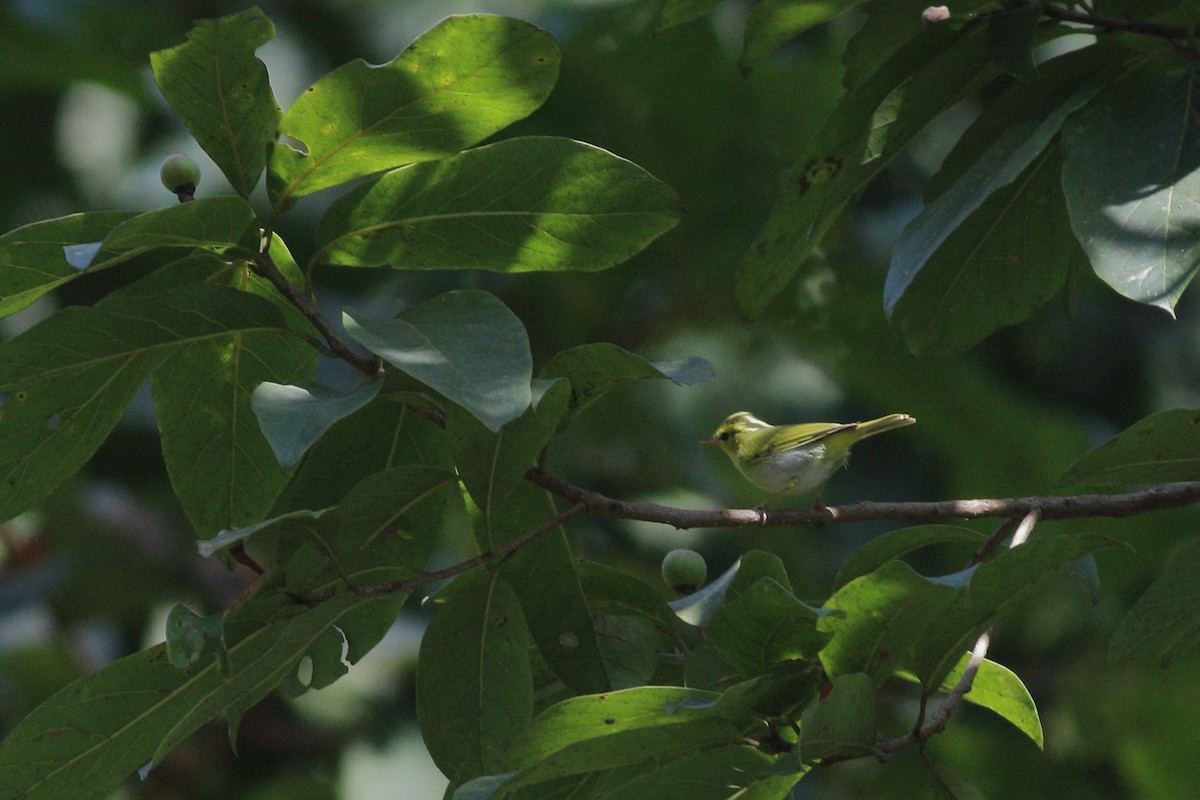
[[723, 436]]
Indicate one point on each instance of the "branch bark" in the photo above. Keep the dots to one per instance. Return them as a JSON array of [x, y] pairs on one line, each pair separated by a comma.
[[1173, 495]]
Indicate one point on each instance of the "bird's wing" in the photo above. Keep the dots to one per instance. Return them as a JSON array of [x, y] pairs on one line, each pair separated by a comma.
[[787, 437]]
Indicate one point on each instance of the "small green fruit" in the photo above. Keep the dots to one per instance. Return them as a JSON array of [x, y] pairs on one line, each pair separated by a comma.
[[684, 570], [180, 174]]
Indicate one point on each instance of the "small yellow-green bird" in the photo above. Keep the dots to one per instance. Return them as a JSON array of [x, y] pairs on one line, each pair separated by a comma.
[[793, 459]]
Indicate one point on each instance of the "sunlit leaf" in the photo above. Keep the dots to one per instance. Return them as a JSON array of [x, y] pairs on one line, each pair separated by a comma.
[[520, 205], [458, 83]]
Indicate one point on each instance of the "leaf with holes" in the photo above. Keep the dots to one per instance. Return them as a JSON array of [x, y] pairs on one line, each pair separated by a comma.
[[222, 93]]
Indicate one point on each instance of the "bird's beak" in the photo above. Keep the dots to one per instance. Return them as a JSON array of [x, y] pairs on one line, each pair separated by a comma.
[[708, 441]]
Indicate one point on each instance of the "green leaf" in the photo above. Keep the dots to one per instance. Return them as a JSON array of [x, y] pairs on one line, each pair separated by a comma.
[[214, 223], [773, 22], [890, 546], [292, 418], [998, 689], [698, 607], [1011, 152], [1131, 182], [872, 123], [385, 433], [543, 574], [1161, 448], [1165, 621], [885, 612], [492, 463], [134, 711], [221, 466], [842, 723], [765, 625], [65, 382], [1010, 256], [474, 684], [656, 709], [36, 258], [405, 503], [593, 369], [458, 83], [520, 205], [753, 566], [465, 344], [1012, 34], [677, 12], [717, 773], [221, 92]]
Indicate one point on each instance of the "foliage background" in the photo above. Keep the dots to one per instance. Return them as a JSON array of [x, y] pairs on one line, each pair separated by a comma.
[[88, 578]]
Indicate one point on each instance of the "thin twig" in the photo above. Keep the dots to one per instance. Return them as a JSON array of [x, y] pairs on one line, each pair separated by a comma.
[[496, 553], [269, 270], [1155, 29]]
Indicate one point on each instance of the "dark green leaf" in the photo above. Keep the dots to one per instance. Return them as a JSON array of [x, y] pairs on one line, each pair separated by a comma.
[[998, 582], [221, 92], [405, 503], [134, 711], [474, 684], [718, 773], [997, 688], [293, 417], [214, 223], [466, 345], [1161, 448], [763, 626], [773, 22], [1001, 263], [65, 382], [543, 574], [1165, 621], [37, 258], [1131, 182], [385, 433], [593, 369], [520, 205], [885, 611], [894, 544], [1010, 153], [492, 463], [458, 83], [842, 723], [753, 567], [1012, 34], [872, 123]]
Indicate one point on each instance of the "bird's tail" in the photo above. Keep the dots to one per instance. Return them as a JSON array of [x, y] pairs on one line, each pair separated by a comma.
[[890, 422]]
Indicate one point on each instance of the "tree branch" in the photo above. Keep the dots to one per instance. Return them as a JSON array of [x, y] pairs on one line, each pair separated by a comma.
[[1155, 29], [1172, 495]]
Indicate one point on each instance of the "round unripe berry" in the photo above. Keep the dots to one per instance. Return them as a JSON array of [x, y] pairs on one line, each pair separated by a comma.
[[180, 174], [684, 570]]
